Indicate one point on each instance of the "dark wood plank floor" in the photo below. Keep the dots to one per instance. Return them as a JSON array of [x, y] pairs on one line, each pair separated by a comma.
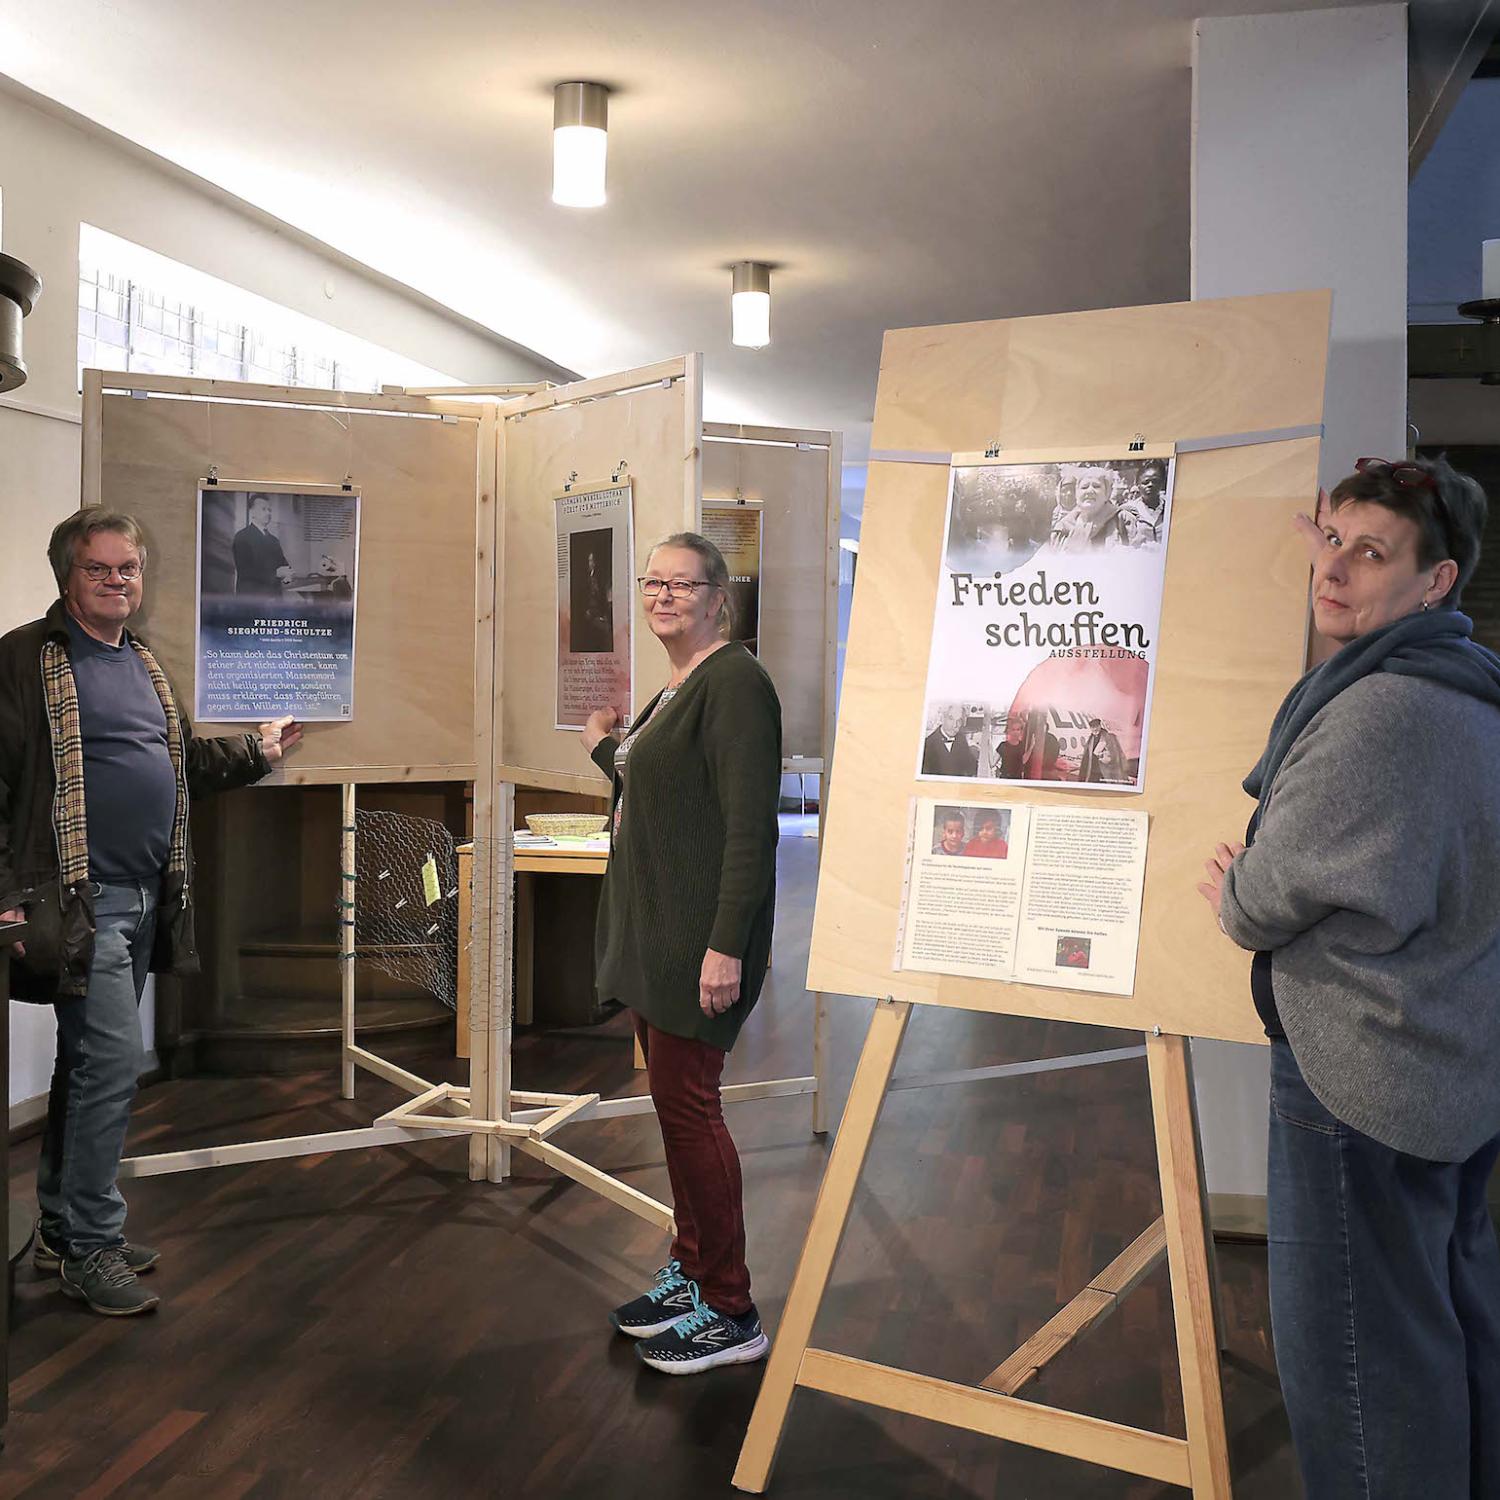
[[371, 1324]]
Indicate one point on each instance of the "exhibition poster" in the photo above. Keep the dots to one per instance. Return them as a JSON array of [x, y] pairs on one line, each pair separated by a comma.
[[595, 583], [735, 527], [1025, 894], [277, 591], [1048, 610]]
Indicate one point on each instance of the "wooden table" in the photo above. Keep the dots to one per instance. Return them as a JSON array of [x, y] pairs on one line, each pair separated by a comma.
[[562, 859]]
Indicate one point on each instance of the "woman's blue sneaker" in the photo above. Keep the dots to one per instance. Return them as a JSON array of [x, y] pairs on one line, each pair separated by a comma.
[[673, 1297], [703, 1339]]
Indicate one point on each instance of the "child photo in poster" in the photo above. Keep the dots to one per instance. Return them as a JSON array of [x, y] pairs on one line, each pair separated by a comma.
[[277, 571], [1048, 609]]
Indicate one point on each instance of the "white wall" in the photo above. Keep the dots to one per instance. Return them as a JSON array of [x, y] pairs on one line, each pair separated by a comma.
[[1300, 181], [57, 172]]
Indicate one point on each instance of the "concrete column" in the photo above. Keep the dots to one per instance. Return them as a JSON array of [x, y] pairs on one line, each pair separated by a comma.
[[1300, 181]]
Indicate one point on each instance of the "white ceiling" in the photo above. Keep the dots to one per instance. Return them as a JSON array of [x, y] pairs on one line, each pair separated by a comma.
[[901, 163]]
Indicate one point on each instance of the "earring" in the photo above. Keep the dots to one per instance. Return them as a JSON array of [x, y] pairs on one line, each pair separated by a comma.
[[1426, 605]]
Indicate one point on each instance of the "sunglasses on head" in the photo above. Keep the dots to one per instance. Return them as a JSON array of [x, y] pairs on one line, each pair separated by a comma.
[[1409, 476]]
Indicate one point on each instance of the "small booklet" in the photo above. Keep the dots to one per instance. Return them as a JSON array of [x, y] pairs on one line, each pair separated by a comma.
[[1025, 894]]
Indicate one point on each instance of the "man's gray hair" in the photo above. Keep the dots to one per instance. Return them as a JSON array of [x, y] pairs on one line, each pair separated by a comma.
[[79, 527]]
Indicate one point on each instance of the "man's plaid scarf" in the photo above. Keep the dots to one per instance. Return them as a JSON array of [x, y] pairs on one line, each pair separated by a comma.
[[69, 818]]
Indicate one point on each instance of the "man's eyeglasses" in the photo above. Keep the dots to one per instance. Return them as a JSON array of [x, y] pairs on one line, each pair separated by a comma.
[[98, 571], [677, 588]]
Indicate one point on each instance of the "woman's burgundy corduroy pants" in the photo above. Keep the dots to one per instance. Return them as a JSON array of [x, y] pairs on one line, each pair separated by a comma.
[[704, 1167]]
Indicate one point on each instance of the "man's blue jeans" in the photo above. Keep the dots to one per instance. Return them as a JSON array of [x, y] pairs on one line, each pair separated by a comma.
[[99, 1060], [1385, 1304]]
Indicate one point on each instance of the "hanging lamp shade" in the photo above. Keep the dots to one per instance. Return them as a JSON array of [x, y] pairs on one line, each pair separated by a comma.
[[20, 287], [580, 144], [750, 304]]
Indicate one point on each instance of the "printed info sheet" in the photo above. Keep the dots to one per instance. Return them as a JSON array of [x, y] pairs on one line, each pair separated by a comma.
[[1025, 894]]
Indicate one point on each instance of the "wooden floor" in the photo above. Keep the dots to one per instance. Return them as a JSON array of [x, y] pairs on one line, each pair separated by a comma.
[[372, 1324]]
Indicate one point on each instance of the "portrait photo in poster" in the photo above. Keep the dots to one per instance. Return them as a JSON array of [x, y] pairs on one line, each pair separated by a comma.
[[1048, 610], [595, 588], [736, 528], [277, 590]]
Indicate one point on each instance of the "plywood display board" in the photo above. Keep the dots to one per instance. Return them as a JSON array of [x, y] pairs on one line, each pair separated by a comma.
[[796, 478], [649, 419], [1232, 632], [414, 668]]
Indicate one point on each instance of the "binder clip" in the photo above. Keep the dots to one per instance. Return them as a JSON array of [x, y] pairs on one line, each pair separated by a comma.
[[572, 480], [1138, 443], [993, 450], [213, 476]]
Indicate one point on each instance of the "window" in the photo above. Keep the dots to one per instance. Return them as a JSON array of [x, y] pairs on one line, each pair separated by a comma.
[[141, 311]]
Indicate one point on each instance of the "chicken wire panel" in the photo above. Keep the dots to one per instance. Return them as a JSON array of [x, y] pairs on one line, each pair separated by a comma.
[[410, 908]]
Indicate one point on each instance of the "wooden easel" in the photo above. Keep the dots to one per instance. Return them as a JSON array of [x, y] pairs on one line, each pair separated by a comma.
[[1199, 1462], [1236, 386]]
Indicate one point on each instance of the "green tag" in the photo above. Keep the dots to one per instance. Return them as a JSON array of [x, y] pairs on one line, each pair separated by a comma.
[[430, 887]]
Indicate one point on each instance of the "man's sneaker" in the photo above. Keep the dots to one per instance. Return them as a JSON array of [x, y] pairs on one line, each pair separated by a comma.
[[673, 1297], [703, 1339], [104, 1280], [47, 1254]]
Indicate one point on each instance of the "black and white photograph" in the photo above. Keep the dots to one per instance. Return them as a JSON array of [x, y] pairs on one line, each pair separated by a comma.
[[1004, 514], [591, 621]]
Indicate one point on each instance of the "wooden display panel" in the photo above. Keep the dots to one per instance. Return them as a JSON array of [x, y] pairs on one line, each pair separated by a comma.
[[796, 478], [414, 670], [587, 430], [1232, 633]]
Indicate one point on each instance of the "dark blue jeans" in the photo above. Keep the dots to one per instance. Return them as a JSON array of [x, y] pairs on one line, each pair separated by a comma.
[[1385, 1304], [99, 1060]]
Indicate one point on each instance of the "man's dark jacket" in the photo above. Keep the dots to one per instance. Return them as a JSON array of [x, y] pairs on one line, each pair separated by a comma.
[[939, 760], [60, 943]]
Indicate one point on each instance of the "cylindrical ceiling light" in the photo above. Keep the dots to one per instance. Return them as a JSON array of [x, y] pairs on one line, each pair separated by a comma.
[[580, 143], [20, 286], [750, 304]]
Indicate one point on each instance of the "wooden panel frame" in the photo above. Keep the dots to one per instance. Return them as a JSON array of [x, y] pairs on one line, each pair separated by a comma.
[[1232, 629], [414, 676], [651, 419], [796, 475]]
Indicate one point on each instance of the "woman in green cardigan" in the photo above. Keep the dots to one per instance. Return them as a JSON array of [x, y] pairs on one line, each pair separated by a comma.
[[684, 934]]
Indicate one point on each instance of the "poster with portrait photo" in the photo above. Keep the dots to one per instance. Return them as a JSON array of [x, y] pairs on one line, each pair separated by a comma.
[[1048, 610], [277, 588], [595, 582], [736, 528]]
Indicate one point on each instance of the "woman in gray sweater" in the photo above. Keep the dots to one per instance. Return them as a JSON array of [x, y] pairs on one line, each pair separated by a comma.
[[1370, 895]]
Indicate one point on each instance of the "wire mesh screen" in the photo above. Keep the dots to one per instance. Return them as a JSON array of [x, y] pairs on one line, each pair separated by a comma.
[[413, 891], [406, 901]]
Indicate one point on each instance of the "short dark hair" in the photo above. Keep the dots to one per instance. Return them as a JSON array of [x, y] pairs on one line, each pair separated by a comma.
[[715, 569], [1449, 516], [949, 815], [79, 527]]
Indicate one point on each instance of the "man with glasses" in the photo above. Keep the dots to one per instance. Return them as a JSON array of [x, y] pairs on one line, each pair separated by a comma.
[[97, 763]]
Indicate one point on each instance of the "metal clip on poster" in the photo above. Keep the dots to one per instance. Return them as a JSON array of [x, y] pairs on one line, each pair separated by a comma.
[[619, 471], [213, 475], [1138, 443], [571, 481]]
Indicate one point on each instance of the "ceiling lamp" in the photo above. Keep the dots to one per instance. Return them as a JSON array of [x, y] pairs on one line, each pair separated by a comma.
[[20, 286], [750, 304], [580, 143]]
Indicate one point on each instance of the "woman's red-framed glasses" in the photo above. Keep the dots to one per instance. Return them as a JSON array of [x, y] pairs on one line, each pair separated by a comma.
[[1409, 476]]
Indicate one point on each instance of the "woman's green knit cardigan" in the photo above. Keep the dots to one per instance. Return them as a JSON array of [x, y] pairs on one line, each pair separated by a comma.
[[693, 865]]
